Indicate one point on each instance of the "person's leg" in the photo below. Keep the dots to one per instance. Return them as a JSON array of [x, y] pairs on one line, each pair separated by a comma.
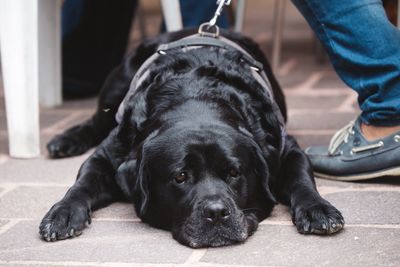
[[94, 38], [195, 12], [364, 49]]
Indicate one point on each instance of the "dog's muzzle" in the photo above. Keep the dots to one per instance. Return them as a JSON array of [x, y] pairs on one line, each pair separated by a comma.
[[213, 222]]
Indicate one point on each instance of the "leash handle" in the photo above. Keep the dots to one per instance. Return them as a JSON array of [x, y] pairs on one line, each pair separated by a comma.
[[221, 4]]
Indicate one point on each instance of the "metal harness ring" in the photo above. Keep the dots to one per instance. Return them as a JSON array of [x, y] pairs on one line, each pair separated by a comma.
[[209, 30]]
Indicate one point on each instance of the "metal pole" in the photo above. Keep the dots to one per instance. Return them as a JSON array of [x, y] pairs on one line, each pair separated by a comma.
[[278, 30], [240, 11]]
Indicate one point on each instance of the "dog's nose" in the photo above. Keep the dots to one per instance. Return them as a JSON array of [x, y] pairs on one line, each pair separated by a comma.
[[215, 211]]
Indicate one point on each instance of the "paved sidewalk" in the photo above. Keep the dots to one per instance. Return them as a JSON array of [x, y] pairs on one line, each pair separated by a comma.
[[319, 103]]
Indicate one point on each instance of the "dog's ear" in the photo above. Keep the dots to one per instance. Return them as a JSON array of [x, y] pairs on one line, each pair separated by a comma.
[[132, 116], [263, 172], [261, 169], [126, 178], [141, 190], [133, 182]]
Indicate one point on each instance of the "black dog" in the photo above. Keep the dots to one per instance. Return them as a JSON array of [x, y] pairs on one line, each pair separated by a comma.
[[200, 150]]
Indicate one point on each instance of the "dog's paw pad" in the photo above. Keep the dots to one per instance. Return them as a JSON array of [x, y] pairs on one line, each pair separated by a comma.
[[321, 218], [62, 146], [64, 221]]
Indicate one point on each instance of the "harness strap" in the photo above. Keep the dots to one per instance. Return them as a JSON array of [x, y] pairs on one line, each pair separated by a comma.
[[201, 41], [197, 41]]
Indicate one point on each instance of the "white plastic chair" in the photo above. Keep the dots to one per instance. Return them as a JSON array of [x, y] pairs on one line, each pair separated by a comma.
[[172, 14], [30, 54], [398, 14]]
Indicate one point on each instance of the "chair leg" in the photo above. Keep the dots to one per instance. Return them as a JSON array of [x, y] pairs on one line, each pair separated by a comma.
[[398, 14], [172, 14], [19, 44], [141, 20], [50, 94], [277, 33], [239, 15]]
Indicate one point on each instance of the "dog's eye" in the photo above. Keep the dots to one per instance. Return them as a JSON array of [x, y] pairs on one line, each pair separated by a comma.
[[233, 173], [181, 177]]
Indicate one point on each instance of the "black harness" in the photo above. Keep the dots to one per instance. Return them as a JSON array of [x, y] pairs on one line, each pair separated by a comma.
[[206, 40]]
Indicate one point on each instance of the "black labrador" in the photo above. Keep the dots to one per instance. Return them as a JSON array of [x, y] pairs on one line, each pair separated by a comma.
[[200, 150]]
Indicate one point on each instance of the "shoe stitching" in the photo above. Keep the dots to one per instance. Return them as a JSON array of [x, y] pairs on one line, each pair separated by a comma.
[[342, 136], [366, 148]]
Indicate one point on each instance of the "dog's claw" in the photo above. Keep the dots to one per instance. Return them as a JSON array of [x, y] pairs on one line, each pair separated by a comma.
[[63, 221], [320, 218], [306, 227]]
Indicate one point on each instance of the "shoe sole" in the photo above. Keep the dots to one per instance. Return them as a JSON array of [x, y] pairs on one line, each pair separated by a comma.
[[364, 176]]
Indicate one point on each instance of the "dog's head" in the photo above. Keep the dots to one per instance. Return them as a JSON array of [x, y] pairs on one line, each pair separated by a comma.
[[208, 184]]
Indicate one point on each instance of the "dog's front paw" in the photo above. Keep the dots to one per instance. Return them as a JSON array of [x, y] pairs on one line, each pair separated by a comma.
[[64, 220], [317, 218], [62, 146]]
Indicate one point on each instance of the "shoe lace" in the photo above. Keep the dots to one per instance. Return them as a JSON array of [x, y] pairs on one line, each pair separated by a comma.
[[339, 137]]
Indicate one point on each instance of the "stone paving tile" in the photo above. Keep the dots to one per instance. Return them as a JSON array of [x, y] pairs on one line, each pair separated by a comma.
[[383, 182], [76, 104], [2, 223], [306, 140], [101, 242], [314, 102], [2, 104], [45, 120], [39, 265], [331, 80], [116, 211], [326, 120], [82, 116], [80, 119], [48, 119], [42, 170], [275, 245], [297, 76], [324, 182], [291, 81], [44, 138], [30, 202], [279, 213], [4, 142], [370, 207], [3, 121]]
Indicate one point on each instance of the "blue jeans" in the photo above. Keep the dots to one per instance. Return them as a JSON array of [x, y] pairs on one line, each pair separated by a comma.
[[94, 37], [364, 48]]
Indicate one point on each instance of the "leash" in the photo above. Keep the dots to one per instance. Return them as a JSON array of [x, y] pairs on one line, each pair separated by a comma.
[[210, 28], [221, 4]]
